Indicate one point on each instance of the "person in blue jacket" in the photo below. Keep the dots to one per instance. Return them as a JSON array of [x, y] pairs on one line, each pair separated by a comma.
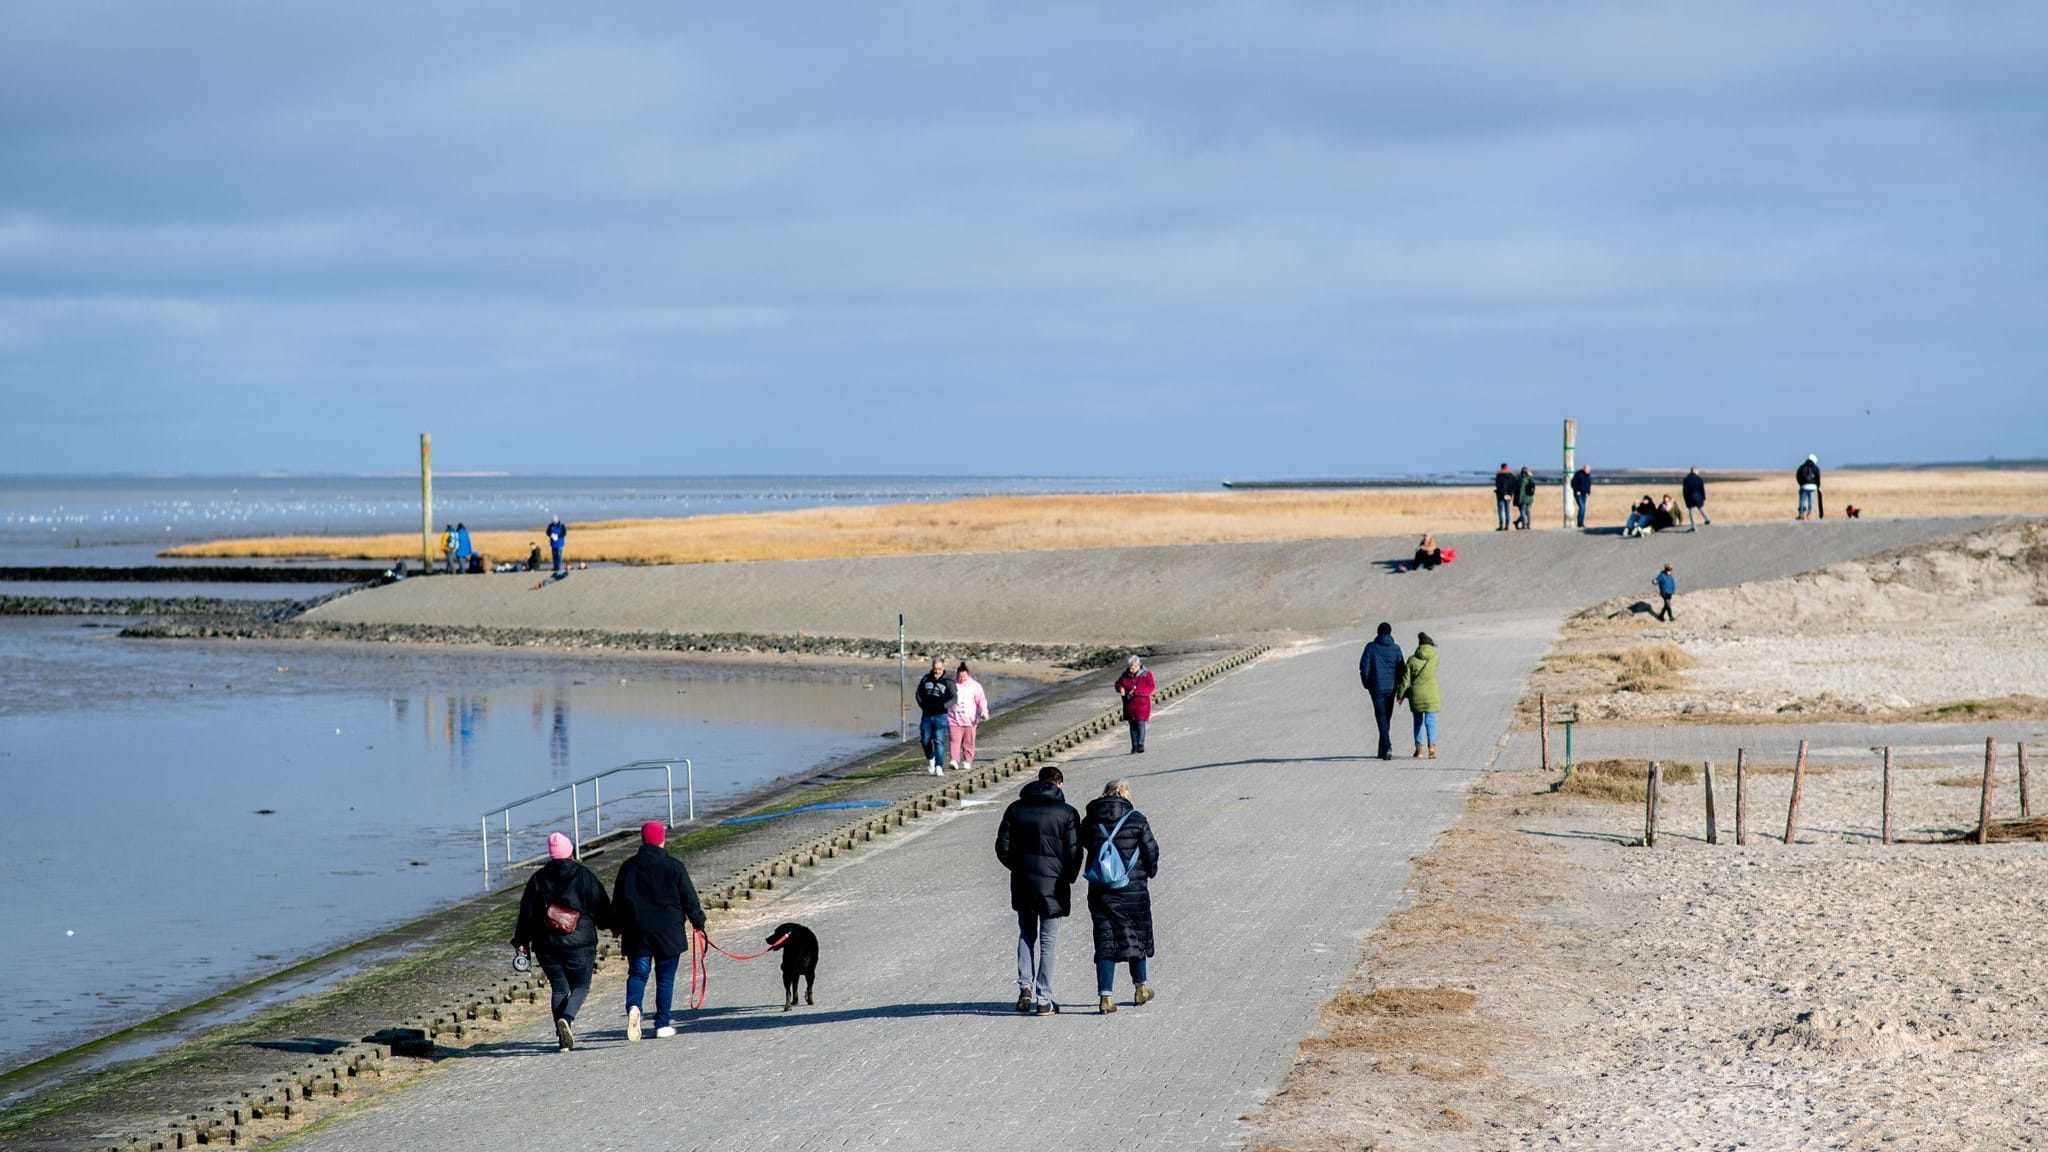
[[1696, 501], [558, 537], [463, 551], [1379, 671], [1667, 587]]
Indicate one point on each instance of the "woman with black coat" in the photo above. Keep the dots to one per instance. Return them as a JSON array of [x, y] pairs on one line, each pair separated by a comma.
[[1123, 916], [561, 891]]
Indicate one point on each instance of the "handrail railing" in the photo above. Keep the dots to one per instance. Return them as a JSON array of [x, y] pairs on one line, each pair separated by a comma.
[[575, 790]]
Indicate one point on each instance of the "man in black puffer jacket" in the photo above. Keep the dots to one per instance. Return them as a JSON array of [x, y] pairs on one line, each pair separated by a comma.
[[1379, 672], [568, 958], [650, 901], [1040, 843]]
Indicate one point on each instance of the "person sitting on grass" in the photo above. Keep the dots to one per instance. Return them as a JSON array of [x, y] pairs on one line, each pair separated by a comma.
[[1640, 517]]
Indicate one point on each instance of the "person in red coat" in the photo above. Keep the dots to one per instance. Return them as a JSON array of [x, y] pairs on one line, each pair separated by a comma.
[[1136, 687]]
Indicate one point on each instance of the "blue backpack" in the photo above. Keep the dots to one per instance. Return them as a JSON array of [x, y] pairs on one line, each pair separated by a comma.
[[1107, 868]]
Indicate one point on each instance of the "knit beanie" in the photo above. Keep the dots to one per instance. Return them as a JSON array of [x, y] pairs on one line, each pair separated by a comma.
[[653, 832], [559, 847]]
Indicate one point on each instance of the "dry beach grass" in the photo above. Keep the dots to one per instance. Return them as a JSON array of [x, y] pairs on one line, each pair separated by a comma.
[[1035, 523]]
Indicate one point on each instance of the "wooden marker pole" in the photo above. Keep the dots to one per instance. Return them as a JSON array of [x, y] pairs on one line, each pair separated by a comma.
[[1741, 797], [1887, 793], [2026, 802], [1650, 805], [1798, 786], [1713, 824], [1543, 726], [426, 503], [1984, 800], [1571, 455]]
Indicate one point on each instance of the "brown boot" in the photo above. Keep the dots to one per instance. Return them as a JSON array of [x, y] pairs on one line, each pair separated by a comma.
[[1418, 751], [1432, 751]]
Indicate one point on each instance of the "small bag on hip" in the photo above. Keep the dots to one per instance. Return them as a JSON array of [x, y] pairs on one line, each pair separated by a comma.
[[563, 920]]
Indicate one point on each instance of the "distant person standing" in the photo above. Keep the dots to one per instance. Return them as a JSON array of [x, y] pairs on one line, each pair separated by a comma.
[[1696, 501], [1418, 686], [1582, 490], [1039, 841], [1808, 477], [970, 708], [558, 539], [1122, 912], [935, 697], [448, 547], [1503, 496], [1379, 671], [1667, 587], [463, 550], [560, 914], [651, 899], [1525, 498], [1136, 686]]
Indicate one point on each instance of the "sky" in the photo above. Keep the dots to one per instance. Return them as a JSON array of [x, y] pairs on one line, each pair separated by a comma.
[[1272, 239]]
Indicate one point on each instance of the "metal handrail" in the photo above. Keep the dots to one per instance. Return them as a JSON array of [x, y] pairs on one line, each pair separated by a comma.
[[574, 789]]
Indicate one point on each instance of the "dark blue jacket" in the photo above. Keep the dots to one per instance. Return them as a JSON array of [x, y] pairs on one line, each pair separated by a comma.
[[1582, 482], [1695, 490], [1666, 585], [1380, 666]]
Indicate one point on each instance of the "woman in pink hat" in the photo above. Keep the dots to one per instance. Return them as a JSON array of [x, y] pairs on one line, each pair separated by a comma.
[[561, 912]]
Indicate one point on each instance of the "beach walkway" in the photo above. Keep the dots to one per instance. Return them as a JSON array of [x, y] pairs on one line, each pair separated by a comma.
[[1282, 843]]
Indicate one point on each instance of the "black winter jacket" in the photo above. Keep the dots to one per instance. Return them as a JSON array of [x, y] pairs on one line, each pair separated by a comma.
[[570, 884], [1695, 491], [1379, 667], [1808, 473], [935, 694], [1040, 843], [650, 900], [1504, 485], [1122, 916], [1582, 482]]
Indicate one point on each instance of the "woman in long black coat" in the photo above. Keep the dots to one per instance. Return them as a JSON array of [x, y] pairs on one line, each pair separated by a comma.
[[568, 958], [1123, 916]]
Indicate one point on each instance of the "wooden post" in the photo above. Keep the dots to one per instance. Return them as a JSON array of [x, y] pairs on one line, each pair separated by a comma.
[[1798, 785], [2026, 802], [1887, 793], [1741, 797], [1571, 454], [1650, 782], [1984, 800], [1543, 726], [1713, 825], [426, 503]]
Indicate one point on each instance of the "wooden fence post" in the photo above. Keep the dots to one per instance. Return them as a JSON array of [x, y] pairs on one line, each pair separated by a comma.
[[1798, 786], [1887, 793], [2026, 802], [1741, 797], [1651, 780], [1713, 824], [1543, 726], [1984, 800]]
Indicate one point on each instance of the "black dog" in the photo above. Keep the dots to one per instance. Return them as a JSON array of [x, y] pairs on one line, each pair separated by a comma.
[[799, 948]]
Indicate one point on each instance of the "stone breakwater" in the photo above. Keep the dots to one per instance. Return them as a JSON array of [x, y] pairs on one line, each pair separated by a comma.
[[189, 607], [225, 627]]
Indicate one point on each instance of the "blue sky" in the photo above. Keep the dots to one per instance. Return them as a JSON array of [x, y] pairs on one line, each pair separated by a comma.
[[1174, 239]]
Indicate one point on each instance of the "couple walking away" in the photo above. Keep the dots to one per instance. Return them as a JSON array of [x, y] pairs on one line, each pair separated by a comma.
[[564, 908], [1388, 678], [949, 711], [1045, 843]]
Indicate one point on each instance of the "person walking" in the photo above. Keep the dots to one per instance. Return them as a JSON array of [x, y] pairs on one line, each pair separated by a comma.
[[1136, 686], [1503, 496], [1667, 587], [1582, 490], [1039, 841], [463, 550], [652, 897], [1122, 912], [1379, 670], [1418, 687], [935, 696], [1695, 501], [1808, 476], [560, 914], [970, 708], [558, 539]]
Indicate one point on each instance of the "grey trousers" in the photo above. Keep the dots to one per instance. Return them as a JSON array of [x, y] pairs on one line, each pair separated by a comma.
[[1034, 973]]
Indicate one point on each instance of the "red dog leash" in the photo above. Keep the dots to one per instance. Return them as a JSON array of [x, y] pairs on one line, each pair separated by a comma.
[[700, 971]]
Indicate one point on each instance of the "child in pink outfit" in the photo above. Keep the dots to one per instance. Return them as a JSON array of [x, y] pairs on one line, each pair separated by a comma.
[[970, 707]]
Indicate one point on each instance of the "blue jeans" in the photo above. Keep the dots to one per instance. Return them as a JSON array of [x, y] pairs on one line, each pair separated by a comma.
[[1501, 504], [1383, 715], [557, 550], [1806, 501], [1425, 722], [932, 735], [1137, 728], [664, 984], [1105, 975], [1581, 502]]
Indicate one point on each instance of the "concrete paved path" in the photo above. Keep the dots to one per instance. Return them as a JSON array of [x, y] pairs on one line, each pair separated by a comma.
[[1281, 845]]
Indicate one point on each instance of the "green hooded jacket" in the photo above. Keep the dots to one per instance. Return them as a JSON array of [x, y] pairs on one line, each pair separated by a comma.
[[1417, 683]]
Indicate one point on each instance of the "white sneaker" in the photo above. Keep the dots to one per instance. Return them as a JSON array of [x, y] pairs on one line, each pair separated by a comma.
[[664, 1032], [953, 764], [967, 766], [632, 1025]]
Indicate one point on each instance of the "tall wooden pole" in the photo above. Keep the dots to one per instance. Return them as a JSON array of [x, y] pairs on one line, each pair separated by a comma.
[[1741, 796], [426, 502], [1798, 785], [1543, 727], [2026, 801], [1887, 794], [1651, 780], [1571, 454], [1984, 801], [1713, 823]]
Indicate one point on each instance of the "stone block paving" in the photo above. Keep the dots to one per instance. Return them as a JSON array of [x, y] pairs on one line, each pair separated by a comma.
[[1282, 843]]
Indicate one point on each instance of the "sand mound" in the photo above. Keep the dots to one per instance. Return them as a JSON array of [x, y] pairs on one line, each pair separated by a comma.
[[1854, 1034]]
